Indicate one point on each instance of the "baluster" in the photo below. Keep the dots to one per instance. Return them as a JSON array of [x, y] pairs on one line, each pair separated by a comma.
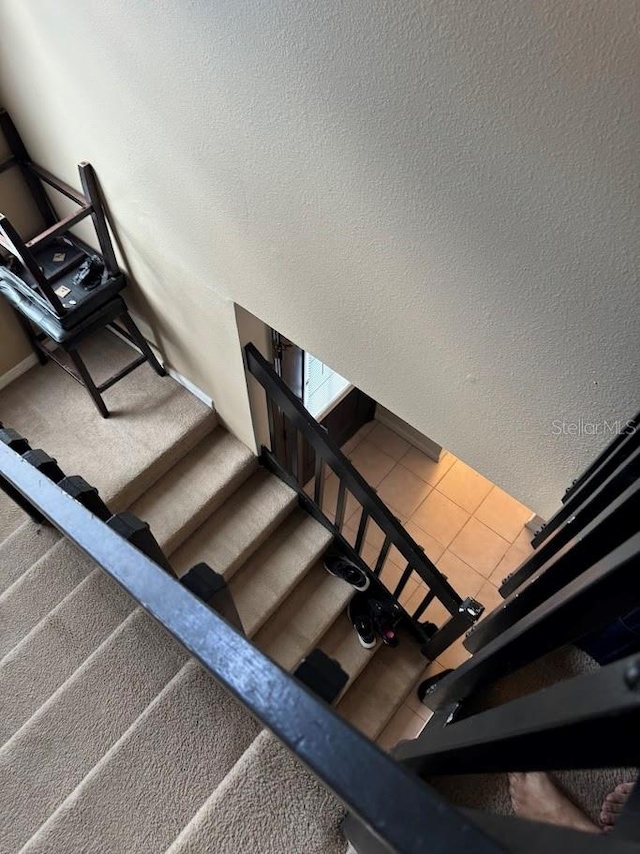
[[403, 580], [279, 447], [422, 607], [292, 450], [384, 551], [362, 529], [299, 451], [340, 505], [318, 486], [272, 424]]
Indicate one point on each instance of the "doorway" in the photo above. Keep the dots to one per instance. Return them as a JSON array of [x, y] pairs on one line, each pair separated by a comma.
[[340, 407], [323, 387]]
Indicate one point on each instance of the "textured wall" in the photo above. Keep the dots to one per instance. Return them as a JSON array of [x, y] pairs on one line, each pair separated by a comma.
[[438, 198], [17, 205]]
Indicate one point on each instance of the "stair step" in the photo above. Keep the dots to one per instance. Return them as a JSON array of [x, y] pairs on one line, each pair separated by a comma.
[[289, 809], [153, 422], [230, 535], [274, 570], [49, 654], [202, 480], [195, 487], [11, 516], [305, 615], [175, 446], [154, 779], [22, 549], [39, 590], [341, 642], [52, 753], [382, 687], [166, 507]]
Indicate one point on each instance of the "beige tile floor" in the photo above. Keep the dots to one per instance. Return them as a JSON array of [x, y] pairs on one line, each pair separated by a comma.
[[471, 529]]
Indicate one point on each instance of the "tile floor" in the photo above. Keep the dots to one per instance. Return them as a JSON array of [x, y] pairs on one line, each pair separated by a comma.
[[470, 528]]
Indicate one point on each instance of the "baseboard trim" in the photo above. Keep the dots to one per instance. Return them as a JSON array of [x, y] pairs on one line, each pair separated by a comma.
[[432, 449], [183, 381], [18, 370]]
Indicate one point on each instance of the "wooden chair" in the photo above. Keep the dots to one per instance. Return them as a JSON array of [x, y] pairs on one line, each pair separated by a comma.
[[60, 288]]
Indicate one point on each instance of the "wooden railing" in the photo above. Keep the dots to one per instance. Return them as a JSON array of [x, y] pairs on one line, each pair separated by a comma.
[[591, 721], [285, 460], [399, 810]]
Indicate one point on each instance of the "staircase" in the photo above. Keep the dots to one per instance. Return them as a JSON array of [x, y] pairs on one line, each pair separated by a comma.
[[113, 738]]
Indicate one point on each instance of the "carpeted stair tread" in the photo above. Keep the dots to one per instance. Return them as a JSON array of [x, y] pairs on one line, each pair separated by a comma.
[[381, 688], [26, 545], [50, 653], [197, 485], [11, 516], [269, 803], [230, 535], [305, 615], [276, 567], [39, 590], [153, 421], [341, 643], [152, 782], [51, 754], [490, 792], [202, 480]]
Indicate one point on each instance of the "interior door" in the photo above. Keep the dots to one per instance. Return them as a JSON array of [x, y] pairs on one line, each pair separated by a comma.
[[341, 422]]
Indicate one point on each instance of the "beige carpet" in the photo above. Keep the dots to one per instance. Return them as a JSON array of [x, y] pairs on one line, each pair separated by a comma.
[[111, 738], [283, 799], [153, 422]]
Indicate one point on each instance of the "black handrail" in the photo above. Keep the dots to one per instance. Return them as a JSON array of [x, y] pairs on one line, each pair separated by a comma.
[[464, 613], [614, 525], [595, 502], [403, 813], [631, 426], [597, 596], [612, 463]]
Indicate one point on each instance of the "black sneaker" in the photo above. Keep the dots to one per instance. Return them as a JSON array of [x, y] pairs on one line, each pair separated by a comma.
[[358, 614], [383, 622], [348, 571]]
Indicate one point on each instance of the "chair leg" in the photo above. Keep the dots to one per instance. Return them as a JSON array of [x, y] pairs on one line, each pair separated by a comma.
[[140, 342], [89, 383]]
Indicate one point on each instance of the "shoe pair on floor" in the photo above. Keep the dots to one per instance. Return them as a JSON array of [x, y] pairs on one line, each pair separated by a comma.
[[369, 615]]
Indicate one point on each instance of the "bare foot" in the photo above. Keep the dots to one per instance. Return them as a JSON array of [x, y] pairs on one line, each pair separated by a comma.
[[613, 804], [536, 797]]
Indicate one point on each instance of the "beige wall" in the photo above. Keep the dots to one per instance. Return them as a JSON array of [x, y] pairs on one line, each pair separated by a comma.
[[16, 204], [440, 200], [13, 345]]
